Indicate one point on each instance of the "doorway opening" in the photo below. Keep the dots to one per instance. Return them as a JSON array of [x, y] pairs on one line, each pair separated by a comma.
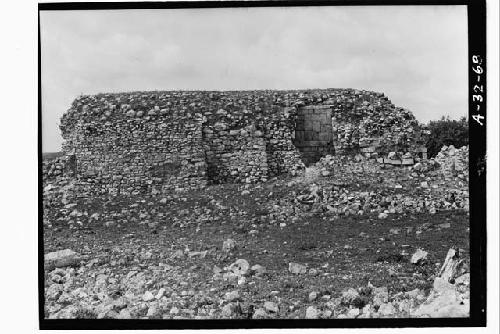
[[313, 133]]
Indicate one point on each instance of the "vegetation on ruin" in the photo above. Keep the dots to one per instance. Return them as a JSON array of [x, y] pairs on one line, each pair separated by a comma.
[[446, 131]]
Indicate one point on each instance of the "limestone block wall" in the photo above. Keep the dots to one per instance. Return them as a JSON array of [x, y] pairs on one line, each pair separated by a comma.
[[313, 132]]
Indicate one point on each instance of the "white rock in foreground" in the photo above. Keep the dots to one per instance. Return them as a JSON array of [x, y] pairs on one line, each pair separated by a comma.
[[446, 304], [297, 268], [312, 313], [419, 256], [449, 297], [382, 215], [271, 307], [59, 259], [453, 265], [240, 267]]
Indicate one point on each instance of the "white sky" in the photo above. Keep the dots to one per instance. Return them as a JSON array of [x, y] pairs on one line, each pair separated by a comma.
[[416, 55]]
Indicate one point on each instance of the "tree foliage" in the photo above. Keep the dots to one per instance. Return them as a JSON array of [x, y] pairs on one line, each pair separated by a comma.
[[447, 132]]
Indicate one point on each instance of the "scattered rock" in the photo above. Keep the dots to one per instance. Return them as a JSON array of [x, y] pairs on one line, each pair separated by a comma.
[[124, 314], [62, 258], [202, 254], [313, 272], [54, 291], [228, 245], [350, 296], [160, 293], [380, 295], [148, 296], [258, 270], [152, 311], [240, 267], [395, 230], [312, 313], [297, 268], [313, 296], [353, 313], [178, 254], [419, 256], [386, 309], [232, 296], [229, 310], [259, 313], [271, 307]]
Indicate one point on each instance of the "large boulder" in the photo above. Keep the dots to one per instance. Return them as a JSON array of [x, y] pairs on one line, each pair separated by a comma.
[[450, 296], [453, 266], [445, 304], [62, 258]]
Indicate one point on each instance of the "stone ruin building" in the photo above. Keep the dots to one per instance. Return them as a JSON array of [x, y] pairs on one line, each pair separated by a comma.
[[160, 141]]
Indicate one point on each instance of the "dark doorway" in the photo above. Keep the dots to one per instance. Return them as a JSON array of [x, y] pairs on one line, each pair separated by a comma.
[[313, 133], [71, 167]]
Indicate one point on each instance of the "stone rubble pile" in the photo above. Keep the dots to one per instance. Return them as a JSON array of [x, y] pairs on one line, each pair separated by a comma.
[[337, 186], [346, 185], [449, 298], [372, 125], [454, 161]]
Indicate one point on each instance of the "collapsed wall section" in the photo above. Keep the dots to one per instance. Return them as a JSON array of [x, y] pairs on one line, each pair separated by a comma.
[[369, 123]]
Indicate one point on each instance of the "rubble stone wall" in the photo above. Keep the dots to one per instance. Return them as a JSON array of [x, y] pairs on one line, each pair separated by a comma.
[[155, 142], [130, 156]]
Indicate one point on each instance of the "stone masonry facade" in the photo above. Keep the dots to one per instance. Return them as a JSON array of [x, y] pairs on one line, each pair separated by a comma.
[[157, 142]]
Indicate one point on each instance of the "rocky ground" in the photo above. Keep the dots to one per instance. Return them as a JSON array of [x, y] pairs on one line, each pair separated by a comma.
[[378, 243]]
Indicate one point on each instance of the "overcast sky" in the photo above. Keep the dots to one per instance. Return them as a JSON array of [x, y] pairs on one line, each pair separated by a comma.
[[416, 55]]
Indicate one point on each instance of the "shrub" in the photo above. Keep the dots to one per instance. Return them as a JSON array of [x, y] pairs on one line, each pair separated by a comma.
[[447, 132]]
